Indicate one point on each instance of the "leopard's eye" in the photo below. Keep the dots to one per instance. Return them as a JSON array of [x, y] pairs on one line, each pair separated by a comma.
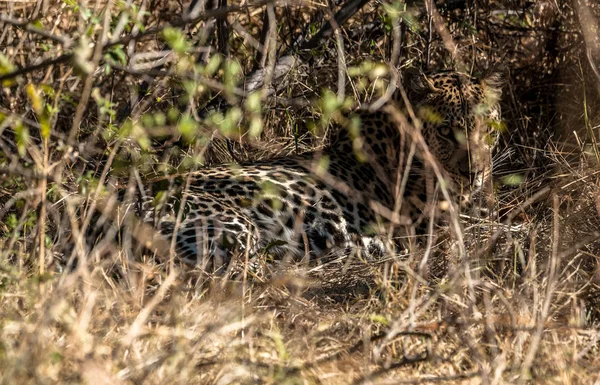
[[445, 130]]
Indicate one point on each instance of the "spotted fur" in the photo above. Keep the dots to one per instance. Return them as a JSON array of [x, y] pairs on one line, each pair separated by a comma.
[[371, 178]]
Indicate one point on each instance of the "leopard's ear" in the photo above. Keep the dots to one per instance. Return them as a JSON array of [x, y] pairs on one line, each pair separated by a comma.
[[492, 84], [417, 83]]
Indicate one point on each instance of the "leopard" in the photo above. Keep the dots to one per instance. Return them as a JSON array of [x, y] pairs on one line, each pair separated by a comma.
[[386, 173]]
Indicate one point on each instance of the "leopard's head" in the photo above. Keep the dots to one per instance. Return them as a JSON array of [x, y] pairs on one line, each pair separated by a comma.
[[458, 116]]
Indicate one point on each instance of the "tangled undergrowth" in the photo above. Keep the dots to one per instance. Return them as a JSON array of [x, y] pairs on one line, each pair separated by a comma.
[[97, 97]]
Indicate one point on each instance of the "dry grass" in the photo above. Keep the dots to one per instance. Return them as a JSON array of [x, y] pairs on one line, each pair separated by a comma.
[[521, 304]]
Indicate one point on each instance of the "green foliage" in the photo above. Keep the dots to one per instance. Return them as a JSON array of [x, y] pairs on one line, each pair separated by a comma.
[[353, 128], [106, 108], [6, 67], [232, 71], [227, 124], [429, 115], [140, 135], [287, 326], [93, 20], [40, 109], [514, 179], [369, 68], [37, 24], [395, 10], [188, 128], [154, 120], [28, 222], [213, 65], [81, 57], [330, 107], [371, 77], [117, 54], [130, 11], [253, 106], [380, 319], [72, 5], [322, 165], [176, 40], [22, 137], [86, 183]]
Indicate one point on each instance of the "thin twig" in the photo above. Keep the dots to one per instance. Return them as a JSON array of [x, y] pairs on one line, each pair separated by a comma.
[[218, 14], [65, 41]]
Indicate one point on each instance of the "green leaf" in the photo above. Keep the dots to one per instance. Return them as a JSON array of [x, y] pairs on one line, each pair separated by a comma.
[[513, 179], [45, 128], [37, 102], [256, 127], [160, 119], [213, 65], [429, 115], [56, 357], [118, 54], [228, 125], [187, 127], [22, 137], [37, 24], [231, 73], [253, 102], [378, 318], [6, 67], [140, 136], [395, 10], [81, 57], [176, 40], [329, 102]]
